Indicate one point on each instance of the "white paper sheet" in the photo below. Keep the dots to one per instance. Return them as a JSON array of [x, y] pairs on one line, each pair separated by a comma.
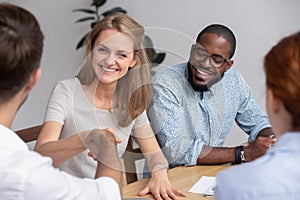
[[205, 185]]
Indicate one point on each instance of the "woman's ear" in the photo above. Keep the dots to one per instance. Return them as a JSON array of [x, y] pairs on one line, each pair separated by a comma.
[[134, 60], [34, 78]]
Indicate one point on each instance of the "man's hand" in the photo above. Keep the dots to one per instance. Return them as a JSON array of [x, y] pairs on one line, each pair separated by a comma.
[[258, 147], [102, 145]]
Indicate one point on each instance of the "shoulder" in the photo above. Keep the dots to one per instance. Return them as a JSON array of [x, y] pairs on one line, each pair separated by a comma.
[[171, 71], [234, 81], [247, 177], [171, 77], [67, 87], [233, 74], [67, 84], [63, 90]]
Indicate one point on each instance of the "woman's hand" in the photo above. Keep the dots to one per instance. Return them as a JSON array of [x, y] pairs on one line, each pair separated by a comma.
[[108, 134], [160, 186]]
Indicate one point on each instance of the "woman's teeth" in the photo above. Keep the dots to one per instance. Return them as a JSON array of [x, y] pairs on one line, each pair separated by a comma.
[[108, 70]]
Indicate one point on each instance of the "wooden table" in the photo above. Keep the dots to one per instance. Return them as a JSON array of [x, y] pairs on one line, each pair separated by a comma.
[[182, 178]]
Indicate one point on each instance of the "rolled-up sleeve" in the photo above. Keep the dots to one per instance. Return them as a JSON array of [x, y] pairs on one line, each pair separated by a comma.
[[250, 117]]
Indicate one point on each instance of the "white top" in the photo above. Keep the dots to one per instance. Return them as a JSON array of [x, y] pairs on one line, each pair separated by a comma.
[[69, 106], [26, 174], [274, 176]]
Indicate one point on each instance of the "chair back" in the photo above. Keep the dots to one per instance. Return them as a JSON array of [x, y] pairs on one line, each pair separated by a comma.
[[29, 134], [129, 158]]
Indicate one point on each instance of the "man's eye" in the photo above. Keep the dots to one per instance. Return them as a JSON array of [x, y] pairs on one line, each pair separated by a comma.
[[217, 59]]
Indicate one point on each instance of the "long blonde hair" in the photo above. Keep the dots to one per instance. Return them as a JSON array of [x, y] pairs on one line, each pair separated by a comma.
[[133, 92]]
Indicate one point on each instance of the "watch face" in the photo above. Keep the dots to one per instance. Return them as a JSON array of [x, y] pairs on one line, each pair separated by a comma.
[[243, 156]]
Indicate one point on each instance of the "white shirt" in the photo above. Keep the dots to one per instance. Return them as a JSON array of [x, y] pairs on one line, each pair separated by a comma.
[[274, 176], [25, 174], [69, 106]]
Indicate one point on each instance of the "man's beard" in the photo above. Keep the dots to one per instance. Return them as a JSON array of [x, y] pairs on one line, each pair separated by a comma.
[[202, 87]]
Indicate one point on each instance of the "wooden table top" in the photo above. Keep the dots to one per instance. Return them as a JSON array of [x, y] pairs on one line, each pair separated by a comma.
[[182, 178]]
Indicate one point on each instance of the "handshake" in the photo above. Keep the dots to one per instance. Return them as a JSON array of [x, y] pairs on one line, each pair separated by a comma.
[[102, 144]]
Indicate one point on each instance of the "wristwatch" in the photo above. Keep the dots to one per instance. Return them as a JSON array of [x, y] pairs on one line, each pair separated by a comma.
[[243, 154], [239, 155]]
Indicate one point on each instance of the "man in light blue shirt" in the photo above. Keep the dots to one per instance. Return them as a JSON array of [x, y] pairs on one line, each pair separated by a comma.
[[194, 105]]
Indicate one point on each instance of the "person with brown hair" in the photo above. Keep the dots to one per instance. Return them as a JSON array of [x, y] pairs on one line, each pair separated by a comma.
[[275, 175], [26, 174], [112, 90]]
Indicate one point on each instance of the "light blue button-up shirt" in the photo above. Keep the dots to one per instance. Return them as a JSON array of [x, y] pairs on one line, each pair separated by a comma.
[[184, 120], [275, 176]]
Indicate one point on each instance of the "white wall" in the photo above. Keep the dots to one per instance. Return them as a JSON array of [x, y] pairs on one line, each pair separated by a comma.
[[173, 26]]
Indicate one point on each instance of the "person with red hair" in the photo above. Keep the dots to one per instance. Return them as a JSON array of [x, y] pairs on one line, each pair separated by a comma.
[[276, 175]]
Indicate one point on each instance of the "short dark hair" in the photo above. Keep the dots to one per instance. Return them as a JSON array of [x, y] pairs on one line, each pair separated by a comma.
[[221, 31], [21, 46]]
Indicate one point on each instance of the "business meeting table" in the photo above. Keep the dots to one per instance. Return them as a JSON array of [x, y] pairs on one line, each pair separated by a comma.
[[182, 178]]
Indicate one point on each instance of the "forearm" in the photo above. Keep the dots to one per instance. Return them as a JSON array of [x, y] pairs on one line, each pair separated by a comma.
[[61, 150], [156, 161], [216, 155], [148, 144], [105, 170], [266, 132]]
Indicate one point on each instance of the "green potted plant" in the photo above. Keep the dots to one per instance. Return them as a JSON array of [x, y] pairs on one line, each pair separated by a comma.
[[94, 16]]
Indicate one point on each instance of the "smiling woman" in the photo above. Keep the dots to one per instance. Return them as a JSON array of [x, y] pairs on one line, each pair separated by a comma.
[[111, 91], [112, 56]]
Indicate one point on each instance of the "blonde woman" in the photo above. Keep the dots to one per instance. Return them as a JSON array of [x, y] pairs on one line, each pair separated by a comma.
[[111, 91]]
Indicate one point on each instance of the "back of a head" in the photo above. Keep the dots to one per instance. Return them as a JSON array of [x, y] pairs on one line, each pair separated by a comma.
[[21, 45], [282, 68], [221, 31]]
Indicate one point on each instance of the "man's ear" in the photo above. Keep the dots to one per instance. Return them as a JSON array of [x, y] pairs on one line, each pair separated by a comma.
[[229, 64], [34, 78]]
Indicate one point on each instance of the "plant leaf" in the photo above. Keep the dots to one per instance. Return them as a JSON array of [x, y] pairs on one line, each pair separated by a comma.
[[98, 3], [85, 11], [81, 42], [93, 24], [113, 10], [85, 19]]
